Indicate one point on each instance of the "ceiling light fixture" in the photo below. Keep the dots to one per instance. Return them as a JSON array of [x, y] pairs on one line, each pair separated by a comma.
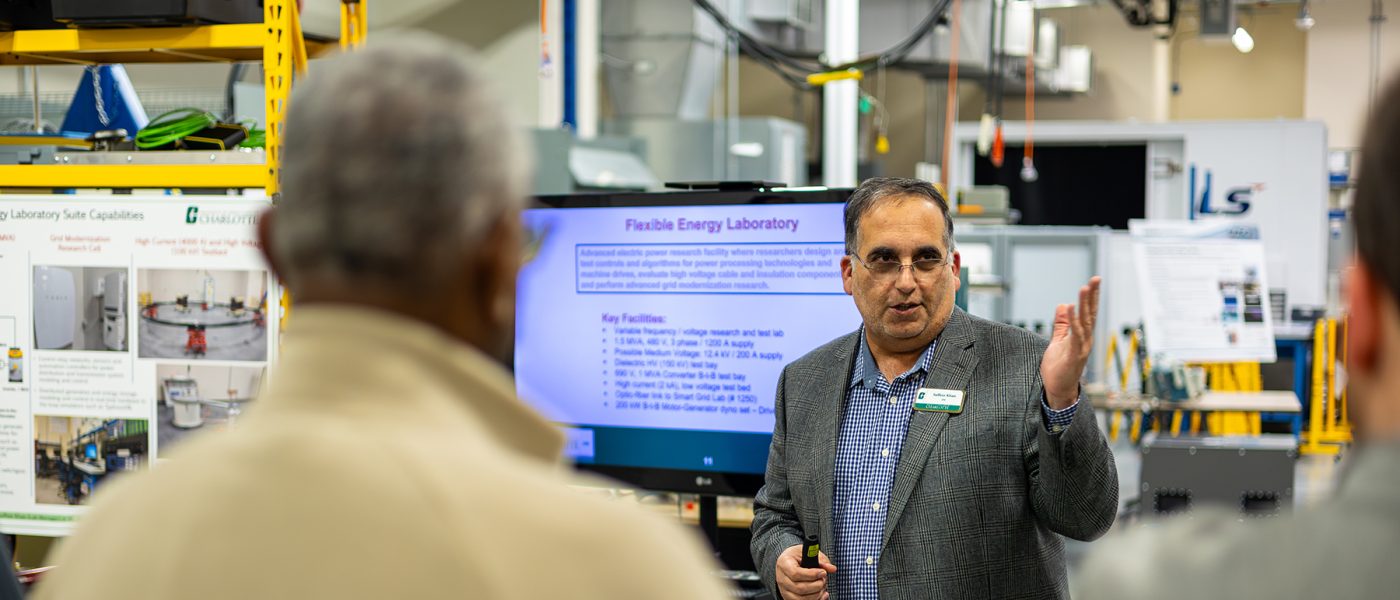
[[1242, 40], [1305, 21]]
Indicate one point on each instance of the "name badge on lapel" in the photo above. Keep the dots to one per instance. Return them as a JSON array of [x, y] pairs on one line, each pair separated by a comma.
[[932, 400]]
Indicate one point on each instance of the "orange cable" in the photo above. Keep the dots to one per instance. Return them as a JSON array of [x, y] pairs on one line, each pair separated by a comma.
[[952, 106], [1030, 92]]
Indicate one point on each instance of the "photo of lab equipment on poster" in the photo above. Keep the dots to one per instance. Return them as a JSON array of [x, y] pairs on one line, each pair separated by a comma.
[[198, 397], [202, 314], [76, 456], [80, 308], [11, 354]]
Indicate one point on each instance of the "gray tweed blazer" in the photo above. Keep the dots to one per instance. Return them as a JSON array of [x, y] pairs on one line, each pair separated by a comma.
[[980, 498]]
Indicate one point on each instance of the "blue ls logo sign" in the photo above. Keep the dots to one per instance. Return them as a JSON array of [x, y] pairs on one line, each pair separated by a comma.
[[1237, 199]]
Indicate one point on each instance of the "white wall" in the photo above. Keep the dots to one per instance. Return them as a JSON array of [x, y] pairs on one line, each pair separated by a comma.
[[506, 37], [214, 382], [1338, 65], [56, 430], [510, 64], [166, 285], [1123, 68], [1216, 81]]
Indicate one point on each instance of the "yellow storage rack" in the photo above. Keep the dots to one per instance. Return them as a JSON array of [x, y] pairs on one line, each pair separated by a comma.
[[277, 42]]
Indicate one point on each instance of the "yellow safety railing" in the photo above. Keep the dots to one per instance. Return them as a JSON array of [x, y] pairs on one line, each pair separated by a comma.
[[1138, 415], [1229, 377], [1125, 370], [1328, 425], [354, 24], [1110, 357]]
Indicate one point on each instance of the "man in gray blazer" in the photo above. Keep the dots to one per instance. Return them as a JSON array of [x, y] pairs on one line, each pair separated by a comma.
[[1344, 547], [935, 454]]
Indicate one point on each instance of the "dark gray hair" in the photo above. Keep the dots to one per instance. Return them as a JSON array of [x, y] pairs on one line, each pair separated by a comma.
[[877, 190], [398, 160]]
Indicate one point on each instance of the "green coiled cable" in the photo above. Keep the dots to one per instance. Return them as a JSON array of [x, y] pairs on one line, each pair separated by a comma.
[[173, 126], [257, 138]]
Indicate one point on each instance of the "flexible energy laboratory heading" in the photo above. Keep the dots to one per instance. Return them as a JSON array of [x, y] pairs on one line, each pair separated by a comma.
[[712, 225]]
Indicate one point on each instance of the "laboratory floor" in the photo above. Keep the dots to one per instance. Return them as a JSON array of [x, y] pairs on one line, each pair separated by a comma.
[[240, 342], [168, 436], [48, 490]]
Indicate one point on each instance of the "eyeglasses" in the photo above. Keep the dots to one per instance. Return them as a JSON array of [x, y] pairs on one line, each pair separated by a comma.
[[889, 269]]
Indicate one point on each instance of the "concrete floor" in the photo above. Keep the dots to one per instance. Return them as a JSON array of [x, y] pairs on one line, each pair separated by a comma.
[[240, 342], [47, 490], [168, 436]]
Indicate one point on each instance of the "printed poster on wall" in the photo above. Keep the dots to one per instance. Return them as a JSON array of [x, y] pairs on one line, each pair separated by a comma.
[[1204, 291], [128, 325]]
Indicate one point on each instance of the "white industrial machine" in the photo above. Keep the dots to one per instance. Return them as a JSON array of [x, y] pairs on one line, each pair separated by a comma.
[[183, 395], [55, 310], [114, 311]]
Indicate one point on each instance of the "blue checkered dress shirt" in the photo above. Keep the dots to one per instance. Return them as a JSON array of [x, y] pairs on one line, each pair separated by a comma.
[[867, 451]]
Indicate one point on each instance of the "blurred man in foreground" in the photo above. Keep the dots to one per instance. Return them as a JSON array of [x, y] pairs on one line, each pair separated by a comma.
[[1342, 548], [389, 458]]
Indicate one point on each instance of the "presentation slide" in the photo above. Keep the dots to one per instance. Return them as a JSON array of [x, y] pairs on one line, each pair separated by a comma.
[[650, 329]]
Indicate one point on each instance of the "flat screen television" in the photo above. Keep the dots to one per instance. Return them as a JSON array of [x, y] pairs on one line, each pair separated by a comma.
[[654, 326]]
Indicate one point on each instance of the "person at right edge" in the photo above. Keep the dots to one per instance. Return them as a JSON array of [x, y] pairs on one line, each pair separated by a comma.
[[934, 454], [1345, 546]]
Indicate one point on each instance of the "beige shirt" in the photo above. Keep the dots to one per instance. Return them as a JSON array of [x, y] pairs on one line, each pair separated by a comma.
[[385, 460]]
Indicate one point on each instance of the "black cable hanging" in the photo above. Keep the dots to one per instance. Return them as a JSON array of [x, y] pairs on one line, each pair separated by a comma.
[[795, 70], [1139, 13]]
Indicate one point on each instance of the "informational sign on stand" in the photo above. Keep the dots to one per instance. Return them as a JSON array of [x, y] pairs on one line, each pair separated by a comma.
[[128, 324], [1204, 293]]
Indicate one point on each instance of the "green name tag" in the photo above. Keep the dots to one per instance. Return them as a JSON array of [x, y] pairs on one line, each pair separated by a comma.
[[948, 401]]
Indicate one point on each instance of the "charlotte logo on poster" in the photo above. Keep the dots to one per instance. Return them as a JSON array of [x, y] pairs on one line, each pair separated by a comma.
[[1236, 200], [193, 216]]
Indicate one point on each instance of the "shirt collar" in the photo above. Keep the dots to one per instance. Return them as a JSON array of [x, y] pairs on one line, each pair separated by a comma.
[[867, 372]]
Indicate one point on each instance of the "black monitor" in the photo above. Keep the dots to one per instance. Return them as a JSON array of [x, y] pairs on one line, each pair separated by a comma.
[[1099, 184], [654, 326]]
